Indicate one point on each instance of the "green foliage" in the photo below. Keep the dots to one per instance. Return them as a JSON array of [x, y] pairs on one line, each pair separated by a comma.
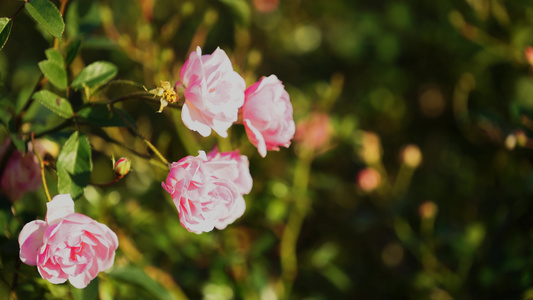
[[5, 30], [55, 103], [137, 277], [100, 115], [74, 165], [240, 9], [95, 74], [46, 14], [88, 293], [54, 69]]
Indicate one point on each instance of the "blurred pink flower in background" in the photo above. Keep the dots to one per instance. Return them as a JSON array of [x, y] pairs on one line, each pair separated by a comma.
[[314, 132], [208, 190], [22, 172], [368, 179], [67, 245], [529, 54], [267, 115], [266, 6], [214, 92]]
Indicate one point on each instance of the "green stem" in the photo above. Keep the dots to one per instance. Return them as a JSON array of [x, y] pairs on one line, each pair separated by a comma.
[[41, 164], [289, 238]]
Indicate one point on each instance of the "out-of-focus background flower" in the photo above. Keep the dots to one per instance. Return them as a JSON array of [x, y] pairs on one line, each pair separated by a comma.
[[409, 176]]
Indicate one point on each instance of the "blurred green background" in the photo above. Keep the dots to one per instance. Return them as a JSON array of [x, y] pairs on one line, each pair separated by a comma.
[[410, 176]]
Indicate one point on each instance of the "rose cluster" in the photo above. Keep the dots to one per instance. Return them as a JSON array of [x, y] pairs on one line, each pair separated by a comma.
[[214, 94], [208, 189]]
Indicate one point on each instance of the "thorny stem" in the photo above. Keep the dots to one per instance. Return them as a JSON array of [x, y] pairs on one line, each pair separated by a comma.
[[41, 164]]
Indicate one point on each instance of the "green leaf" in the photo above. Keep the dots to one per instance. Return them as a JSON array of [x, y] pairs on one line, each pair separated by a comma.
[[94, 74], [54, 56], [136, 276], [90, 292], [5, 30], [56, 74], [72, 50], [47, 15], [53, 102], [100, 115], [240, 9], [74, 165]]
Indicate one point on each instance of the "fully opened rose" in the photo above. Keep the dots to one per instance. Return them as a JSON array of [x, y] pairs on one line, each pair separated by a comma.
[[213, 92], [208, 189], [267, 115], [67, 245]]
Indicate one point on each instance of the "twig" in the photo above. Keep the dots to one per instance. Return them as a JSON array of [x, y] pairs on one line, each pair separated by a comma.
[[41, 164]]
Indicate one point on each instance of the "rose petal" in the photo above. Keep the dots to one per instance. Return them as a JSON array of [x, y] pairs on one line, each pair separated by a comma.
[[255, 137], [30, 240], [61, 206]]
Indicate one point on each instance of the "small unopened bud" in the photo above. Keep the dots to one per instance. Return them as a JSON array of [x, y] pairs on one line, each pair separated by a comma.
[[368, 179], [428, 210], [411, 156], [122, 166]]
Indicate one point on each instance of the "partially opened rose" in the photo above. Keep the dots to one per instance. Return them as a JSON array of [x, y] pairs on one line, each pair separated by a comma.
[[67, 245], [213, 92], [267, 115], [208, 190]]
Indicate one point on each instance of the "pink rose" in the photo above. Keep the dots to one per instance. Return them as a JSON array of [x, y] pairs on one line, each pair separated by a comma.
[[214, 92], [22, 173], [207, 190], [244, 180], [267, 115], [67, 245]]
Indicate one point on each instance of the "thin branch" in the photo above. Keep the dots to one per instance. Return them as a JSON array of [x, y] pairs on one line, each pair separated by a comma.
[[41, 164]]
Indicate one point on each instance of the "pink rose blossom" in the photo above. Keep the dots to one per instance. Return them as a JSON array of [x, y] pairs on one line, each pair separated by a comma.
[[67, 245], [208, 190], [214, 92], [267, 115], [22, 173], [244, 180]]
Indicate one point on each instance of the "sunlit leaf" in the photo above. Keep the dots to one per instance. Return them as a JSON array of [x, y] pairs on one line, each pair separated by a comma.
[[74, 165], [54, 56], [56, 74], [47, 15], [53, 102], [95, 74], [5, 30]]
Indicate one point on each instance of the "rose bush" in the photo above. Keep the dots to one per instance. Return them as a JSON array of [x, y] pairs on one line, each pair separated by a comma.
[[208, 190], [213, 92], [67, 245], [267, 115]]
